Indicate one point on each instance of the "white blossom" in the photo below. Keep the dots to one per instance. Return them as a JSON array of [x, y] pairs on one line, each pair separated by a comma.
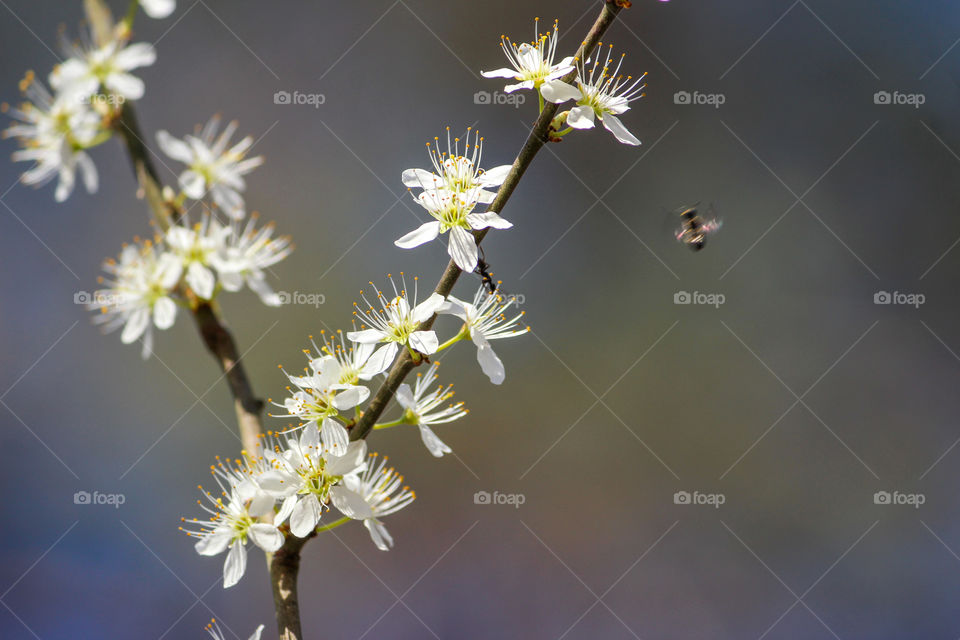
[[605, 95], [158, 9], [306, 474], [422, 408], [246, 254], [458, 173], [396, 323], [354, 359], [450, 196], [213, 166], [54, 131], [232, 523], [321, 394], [532, 62], [378, 488], [90, 69], [485, 319], [201, 249], [138, 293]]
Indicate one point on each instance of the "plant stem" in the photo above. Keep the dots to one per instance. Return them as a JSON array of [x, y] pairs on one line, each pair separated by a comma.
[[333, 525], [284, 567], [404, 364], [387, 425]]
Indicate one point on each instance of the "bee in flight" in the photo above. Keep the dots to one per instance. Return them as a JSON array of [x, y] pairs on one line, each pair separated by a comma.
[[694, 227]]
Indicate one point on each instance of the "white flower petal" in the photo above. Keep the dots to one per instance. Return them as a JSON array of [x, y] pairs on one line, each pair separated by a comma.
[[350, 503], [136, 324], [423, 234], [305, 515], [212, 544], [334, 436], [164, 312], [425, 342], [367, 336], [434, 445], [161, 9], [500, 73], [404, 396], [488, 219], [557, 91], [414, 178], [201, 280], [382, 358], [495, 177], [491, 364], [614, 126], [141, 54], [235, 565], [463, 249], [425, 310], [266, 536], [379, 534], [581, 117], [193, 184]]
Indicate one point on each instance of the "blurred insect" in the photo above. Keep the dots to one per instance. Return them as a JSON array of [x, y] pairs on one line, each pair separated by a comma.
[[694, 227], [483, 270]]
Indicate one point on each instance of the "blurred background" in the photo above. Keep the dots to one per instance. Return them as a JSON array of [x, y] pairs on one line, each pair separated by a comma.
[[793, 402]]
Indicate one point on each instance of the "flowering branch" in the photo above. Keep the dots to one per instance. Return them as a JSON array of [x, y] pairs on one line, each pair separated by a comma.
[[539, 135], [274, 495]]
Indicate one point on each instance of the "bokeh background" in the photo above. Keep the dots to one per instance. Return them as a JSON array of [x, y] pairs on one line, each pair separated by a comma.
[[797, 399]]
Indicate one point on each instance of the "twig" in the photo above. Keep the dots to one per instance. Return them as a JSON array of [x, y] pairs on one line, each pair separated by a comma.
[[404, 364]]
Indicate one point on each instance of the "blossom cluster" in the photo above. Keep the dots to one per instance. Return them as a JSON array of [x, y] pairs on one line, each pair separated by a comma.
[[185, 264], [294, 479], [297, 475], [151, 278], [600, 91], [58, 125]]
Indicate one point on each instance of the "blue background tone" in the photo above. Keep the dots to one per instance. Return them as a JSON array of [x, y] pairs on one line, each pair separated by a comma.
[[619, 398]]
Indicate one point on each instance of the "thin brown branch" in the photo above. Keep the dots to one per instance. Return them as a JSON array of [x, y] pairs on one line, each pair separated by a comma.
[[539, 136], [284, 567]]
